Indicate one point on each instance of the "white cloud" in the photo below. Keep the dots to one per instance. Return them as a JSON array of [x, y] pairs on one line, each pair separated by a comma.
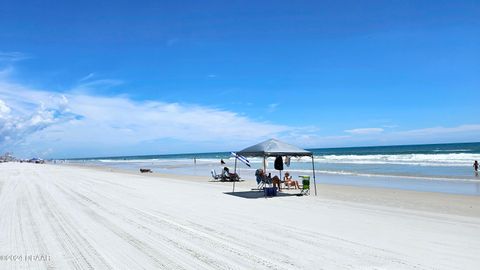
[[22, 115], [4, 109], [364, 131], [34, 121]]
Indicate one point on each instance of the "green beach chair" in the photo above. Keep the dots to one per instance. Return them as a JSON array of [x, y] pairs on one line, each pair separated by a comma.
[[305, 185]]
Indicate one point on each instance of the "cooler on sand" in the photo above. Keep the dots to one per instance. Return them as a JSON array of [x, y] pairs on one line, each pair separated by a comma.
[[270, 191]]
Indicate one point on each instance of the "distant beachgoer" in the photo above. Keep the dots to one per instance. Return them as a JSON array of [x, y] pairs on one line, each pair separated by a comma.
[[222, 162], [195, 161], [475, 167]]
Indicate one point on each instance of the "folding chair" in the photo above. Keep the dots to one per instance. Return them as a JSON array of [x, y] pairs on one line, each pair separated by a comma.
[[215, 175], [305, 185]]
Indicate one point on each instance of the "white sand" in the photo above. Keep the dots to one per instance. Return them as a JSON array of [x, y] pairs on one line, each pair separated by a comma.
[[84, 218]]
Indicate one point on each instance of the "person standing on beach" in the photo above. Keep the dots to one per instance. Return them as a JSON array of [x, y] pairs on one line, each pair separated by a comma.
[[475, 167]]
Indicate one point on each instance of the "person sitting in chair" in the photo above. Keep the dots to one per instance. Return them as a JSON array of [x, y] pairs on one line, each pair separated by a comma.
[[226, 172], [260, 176], [289, 182], [227, 175]]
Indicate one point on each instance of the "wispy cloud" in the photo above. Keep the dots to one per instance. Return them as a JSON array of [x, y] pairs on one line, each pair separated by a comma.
[[88, 124], [378, 136], [364, 131], [435, 131], [390, 126], [87, 77], [87, 85], [12, 56], [272, 107]]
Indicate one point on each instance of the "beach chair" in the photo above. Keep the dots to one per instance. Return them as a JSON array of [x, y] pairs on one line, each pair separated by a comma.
[[261, 185], [305, 185], [215, 175], [265, 182]]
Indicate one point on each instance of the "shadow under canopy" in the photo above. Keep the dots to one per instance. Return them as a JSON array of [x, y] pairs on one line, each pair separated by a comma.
[[256, 194], [276, 148]]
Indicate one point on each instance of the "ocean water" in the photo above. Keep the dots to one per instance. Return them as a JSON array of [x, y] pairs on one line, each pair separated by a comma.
[[432, 167]]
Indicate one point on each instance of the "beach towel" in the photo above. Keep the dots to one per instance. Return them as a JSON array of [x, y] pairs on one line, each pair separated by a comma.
[[287, 161]]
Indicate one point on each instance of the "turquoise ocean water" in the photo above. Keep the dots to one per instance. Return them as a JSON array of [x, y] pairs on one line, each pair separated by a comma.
[[432, 167]]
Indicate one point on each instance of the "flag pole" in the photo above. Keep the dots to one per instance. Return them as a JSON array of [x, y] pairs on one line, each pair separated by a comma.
[[314, 180], [235, 173]]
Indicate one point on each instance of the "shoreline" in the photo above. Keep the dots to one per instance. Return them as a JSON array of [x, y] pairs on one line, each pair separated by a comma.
[[405, 182]]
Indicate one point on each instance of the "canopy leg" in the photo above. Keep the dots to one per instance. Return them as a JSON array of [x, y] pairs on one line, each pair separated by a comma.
[[264, 165], [314, 180]]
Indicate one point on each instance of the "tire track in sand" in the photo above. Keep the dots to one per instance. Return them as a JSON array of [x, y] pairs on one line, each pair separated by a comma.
[[204, 239], [78, 249]]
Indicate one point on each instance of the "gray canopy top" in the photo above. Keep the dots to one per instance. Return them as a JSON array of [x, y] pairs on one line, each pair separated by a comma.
[[274, 147]]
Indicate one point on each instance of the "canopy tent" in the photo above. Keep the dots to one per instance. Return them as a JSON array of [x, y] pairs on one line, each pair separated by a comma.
[[275, 148]]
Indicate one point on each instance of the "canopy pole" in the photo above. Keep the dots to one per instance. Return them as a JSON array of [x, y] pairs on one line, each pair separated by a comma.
[[235, 172], [264, 165], [314, 180]]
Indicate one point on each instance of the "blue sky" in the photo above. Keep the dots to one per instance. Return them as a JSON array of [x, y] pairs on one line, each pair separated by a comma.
[[164, 76]]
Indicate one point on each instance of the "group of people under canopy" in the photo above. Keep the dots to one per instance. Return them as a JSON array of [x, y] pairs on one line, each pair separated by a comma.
[[278, 149], [262, 177]]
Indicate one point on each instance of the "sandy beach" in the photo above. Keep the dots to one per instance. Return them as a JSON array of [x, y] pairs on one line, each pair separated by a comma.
[[67, 217]]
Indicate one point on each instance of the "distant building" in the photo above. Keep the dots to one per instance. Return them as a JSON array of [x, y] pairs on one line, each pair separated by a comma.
[[7, 157]]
